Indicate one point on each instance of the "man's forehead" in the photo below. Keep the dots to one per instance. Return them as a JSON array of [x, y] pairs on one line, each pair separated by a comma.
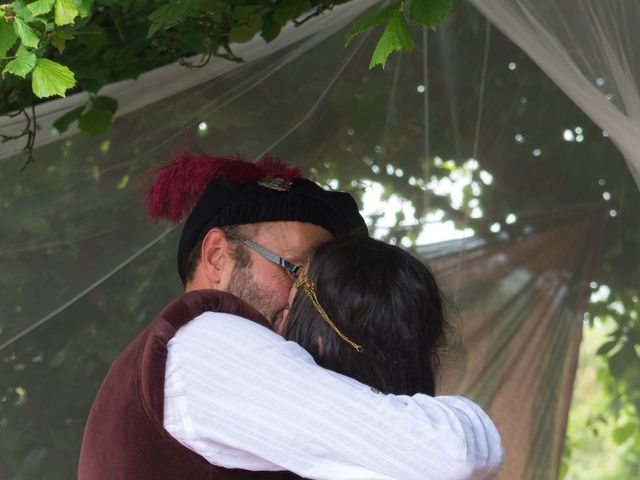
[[297, 240]]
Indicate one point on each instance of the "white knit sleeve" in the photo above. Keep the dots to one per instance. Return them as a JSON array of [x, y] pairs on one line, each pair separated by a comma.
[[243, 397]]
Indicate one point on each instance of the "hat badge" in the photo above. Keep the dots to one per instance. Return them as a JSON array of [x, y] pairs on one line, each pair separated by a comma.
[[273, 183]]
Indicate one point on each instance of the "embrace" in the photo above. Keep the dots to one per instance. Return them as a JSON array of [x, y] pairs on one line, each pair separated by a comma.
[[301, 348]]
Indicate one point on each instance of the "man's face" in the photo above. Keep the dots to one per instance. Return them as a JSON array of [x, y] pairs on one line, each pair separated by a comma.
[[265, 285]]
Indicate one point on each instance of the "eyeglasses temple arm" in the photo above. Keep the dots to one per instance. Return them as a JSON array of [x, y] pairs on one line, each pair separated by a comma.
[[292, 267]]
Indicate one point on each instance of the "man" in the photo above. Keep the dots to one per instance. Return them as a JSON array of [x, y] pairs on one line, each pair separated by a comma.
[[206, 391]]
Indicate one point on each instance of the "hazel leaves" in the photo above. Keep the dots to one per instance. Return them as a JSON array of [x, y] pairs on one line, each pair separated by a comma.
[[397, 34]]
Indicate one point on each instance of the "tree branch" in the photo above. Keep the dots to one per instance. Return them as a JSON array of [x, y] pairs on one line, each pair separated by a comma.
[[319, 10]]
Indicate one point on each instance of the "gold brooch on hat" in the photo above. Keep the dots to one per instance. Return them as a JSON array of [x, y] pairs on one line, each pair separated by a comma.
[[279, 184]]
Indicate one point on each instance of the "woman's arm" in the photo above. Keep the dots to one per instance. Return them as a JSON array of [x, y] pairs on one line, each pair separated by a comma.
[[243, 397]]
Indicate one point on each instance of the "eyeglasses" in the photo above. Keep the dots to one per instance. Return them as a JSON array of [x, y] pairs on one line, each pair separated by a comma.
[[290, 267]]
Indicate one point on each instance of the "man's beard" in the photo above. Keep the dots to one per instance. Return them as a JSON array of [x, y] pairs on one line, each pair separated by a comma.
[[243, 286]]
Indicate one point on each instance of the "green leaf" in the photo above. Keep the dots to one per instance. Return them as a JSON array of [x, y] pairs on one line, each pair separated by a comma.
[[243, 13], [430, 13], [58, 42], [92, 79], [607, 347], [290, 10], [167, 16], [623, 432], [59, 39], [22, 12], [65, 35], [50, 78], [66, 11], [396, 37], [124, 181], [96, 121], [85, 8], [25, 33], [62, 124], [244, 33], [622, 360], [104, 148], [369, 21], [107, 104], [40, 7], [270, 30], [48, 26], [24, 62], [93, 37], [8, 37]]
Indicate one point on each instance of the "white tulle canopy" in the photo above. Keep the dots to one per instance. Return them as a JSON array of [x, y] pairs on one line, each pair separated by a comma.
[[589, 49]]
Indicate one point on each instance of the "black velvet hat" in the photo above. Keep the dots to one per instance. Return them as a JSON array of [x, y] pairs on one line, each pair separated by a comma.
[[238, 192]]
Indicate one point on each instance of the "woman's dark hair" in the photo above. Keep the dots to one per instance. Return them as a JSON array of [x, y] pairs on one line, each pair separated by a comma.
[[380, 297]]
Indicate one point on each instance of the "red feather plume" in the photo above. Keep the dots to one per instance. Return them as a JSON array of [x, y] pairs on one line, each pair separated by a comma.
[[177, 186], [274, 167]]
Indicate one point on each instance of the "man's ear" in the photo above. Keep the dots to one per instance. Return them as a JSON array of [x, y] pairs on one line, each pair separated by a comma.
[[215, 263]]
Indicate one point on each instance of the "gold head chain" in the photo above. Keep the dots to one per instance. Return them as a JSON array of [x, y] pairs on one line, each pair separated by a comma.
[[304, 280]]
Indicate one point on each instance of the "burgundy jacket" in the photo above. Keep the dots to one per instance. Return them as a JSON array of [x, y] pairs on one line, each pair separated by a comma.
[[124, 437]]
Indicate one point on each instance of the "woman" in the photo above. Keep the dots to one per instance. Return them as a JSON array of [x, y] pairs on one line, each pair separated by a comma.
[[370, 311]]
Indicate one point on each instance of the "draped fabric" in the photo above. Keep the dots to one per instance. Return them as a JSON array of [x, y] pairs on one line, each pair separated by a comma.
[[589, 49], [451, 142], [520, 307]]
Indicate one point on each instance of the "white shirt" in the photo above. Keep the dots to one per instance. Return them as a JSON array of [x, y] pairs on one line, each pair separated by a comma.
[[243, 397]]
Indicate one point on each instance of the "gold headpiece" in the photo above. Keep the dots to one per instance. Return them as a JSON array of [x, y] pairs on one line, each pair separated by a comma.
[[303, 280]]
